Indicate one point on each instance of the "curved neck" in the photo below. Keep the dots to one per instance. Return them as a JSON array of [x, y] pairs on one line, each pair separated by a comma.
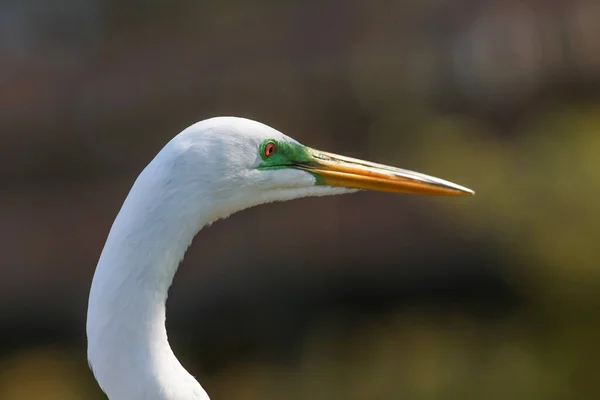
[[128, 349]]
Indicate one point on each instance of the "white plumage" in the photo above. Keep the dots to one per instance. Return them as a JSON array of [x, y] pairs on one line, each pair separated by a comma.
[[209, 171]]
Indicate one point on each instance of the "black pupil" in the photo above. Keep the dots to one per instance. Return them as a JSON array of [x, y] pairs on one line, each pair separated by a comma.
[[270, 149]]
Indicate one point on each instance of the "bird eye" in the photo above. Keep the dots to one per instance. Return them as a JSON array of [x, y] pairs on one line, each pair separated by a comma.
[[269, 149]]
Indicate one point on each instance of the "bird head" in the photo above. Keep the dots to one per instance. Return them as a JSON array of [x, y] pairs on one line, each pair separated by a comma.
[[240, 163]]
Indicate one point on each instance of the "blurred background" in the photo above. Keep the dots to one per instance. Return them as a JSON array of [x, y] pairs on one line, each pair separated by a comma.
[[385, 297]]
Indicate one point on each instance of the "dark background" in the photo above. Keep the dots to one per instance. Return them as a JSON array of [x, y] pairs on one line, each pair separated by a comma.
[[367, 296]]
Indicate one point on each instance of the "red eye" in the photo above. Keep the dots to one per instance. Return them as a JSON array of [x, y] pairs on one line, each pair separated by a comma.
[[269, 149]]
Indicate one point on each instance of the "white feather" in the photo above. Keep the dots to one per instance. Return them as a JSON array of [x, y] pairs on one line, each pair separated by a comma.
[[206, 172]]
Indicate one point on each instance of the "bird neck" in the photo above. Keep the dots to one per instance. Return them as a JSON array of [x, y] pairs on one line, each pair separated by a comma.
[[128, 349]]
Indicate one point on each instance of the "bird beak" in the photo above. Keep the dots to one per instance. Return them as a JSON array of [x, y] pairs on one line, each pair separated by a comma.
[[335, 170]]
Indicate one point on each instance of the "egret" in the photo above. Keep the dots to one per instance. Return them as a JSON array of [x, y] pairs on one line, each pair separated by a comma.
[[209, 171]]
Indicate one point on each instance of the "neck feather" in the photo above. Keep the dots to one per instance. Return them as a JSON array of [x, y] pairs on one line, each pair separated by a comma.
[[128, 348]]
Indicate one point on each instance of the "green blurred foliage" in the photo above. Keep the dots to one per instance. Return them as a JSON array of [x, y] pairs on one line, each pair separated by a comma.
[[537, 190]]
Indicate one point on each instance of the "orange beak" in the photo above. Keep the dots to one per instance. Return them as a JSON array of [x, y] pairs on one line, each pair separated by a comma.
[[335, 170]]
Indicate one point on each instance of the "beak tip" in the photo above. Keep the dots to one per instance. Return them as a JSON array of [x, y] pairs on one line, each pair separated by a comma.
[[460, 190]]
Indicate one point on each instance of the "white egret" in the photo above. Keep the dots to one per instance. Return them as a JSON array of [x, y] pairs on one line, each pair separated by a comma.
[[209, 171]]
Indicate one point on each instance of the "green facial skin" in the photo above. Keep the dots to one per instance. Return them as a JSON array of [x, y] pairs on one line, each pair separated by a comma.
[[288, 155]]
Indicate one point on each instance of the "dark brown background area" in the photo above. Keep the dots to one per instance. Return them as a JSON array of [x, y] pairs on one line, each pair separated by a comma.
[[368, 296]]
